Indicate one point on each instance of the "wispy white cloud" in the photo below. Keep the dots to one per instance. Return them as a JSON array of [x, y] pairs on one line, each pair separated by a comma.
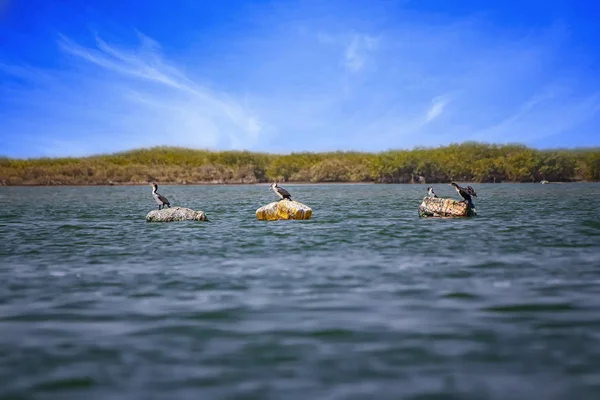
[[437, 108], [132, 96], [147, 64], [540, 117], [357, 51]]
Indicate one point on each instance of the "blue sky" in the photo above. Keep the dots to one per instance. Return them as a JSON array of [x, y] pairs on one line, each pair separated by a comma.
[[85, 77]]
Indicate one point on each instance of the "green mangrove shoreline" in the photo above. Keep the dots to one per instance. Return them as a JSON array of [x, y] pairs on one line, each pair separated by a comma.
[[466, 162], [32, 185]]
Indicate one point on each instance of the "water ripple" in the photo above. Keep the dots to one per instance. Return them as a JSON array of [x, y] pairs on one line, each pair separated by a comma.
[[365, 300]]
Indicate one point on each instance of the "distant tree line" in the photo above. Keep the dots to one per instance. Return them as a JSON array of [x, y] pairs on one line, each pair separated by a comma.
[[467, 162]]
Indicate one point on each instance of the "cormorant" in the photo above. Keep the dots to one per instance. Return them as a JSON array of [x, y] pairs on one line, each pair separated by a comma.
[[160, 199], [465, 193], [430, 192], [281, 192]]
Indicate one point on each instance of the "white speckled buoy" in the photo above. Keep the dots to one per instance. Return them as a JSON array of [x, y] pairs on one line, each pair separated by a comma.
[[175, 214]]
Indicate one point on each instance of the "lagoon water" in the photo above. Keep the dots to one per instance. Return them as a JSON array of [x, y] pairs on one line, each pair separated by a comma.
[[363, 301]]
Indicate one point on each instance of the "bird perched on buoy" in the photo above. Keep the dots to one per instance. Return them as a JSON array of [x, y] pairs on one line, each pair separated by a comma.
[[160, 199], [465, 193], [281, 192], [431, 193]]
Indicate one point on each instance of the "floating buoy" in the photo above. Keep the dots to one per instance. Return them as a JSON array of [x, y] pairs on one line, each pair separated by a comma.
[[284, 209], [175, 214], [438, 207]]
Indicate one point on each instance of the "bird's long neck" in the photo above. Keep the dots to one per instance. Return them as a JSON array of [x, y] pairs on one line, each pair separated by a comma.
[[154, 189]]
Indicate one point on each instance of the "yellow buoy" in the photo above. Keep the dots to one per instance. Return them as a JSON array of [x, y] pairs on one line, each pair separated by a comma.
[[284, 209]]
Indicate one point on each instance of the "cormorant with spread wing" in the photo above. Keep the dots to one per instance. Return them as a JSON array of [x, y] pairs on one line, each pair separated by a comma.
[[465, 193], [160, 199], [431, 193], [281, 192]]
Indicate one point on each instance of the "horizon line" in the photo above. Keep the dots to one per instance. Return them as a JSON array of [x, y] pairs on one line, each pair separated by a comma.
[[414, 148]]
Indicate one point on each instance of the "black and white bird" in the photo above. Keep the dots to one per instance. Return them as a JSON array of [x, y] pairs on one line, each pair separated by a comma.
[[281, 192], [430, 192], [465, 193], [160, 199]]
